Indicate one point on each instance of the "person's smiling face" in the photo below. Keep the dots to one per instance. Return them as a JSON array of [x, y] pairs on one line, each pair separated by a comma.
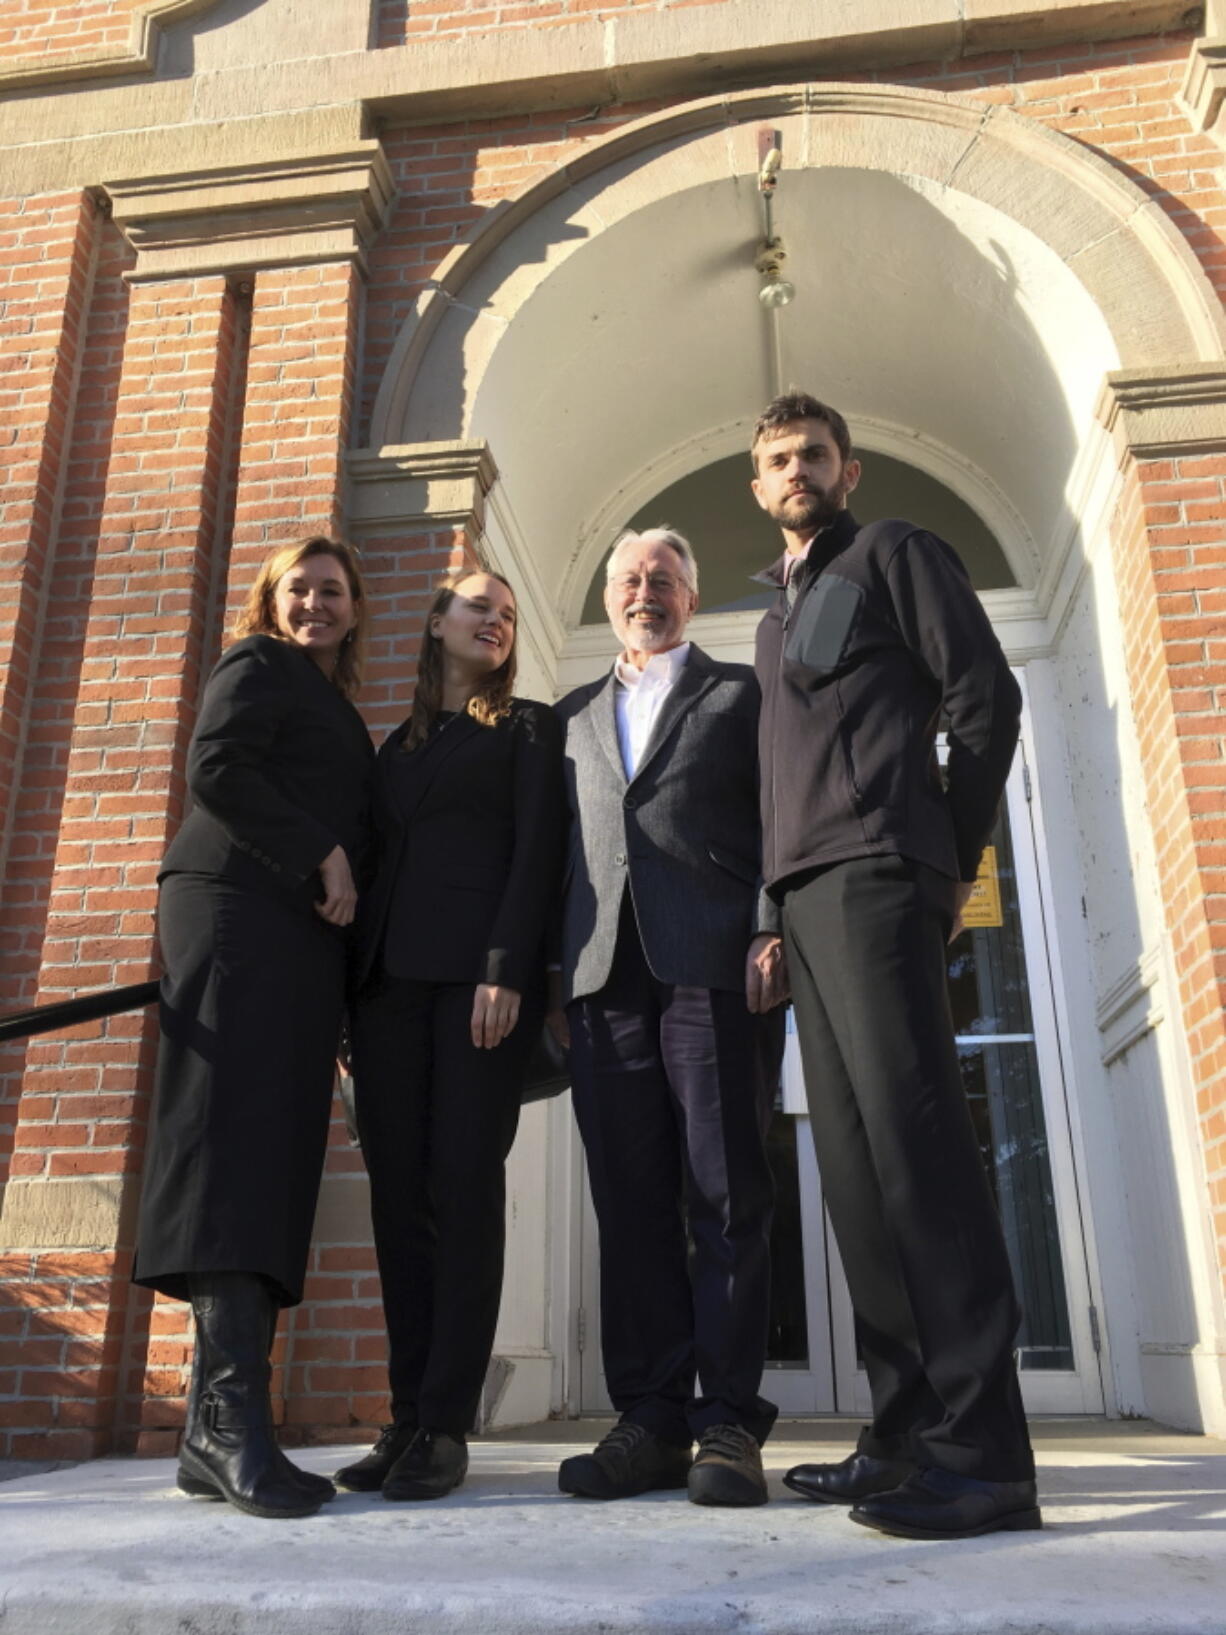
[[477, 627], [313, 607], [647, 598]]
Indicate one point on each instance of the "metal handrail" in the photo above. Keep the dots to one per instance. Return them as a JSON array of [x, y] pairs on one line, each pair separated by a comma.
[[86, 1007]]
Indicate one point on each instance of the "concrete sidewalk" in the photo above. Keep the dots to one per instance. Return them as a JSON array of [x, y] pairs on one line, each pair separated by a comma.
[[1135, 1543]]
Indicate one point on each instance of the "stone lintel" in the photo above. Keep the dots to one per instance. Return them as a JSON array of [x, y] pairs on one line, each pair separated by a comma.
[[245, 217], [1165, 411], [411, 485], [1204, 83], [88, 1213]]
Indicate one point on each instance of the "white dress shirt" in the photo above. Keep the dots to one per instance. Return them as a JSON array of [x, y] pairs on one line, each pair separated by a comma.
[[640, 698]]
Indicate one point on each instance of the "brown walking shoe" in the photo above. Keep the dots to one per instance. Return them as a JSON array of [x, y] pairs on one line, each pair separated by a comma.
[[728, 1468]]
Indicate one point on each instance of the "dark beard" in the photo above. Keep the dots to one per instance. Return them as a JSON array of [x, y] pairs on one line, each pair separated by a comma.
[[819, 512]]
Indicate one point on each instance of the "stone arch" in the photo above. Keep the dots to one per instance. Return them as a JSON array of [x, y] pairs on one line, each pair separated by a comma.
[[1060, 269]]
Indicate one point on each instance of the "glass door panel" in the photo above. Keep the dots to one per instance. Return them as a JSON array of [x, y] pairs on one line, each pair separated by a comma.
[[990, 996]]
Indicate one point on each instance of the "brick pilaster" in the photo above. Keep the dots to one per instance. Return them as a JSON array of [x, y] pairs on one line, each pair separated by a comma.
[[46, 292], [77, 1150], [1171, 568], [300, 382]]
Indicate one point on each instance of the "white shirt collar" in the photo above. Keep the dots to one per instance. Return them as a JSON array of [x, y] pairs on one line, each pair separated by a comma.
[[661, 669]]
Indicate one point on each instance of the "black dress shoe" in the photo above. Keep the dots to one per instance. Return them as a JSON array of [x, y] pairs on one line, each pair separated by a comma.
[[626, 1461], [858, 1477], [727, 1468], [942, 1504], [429, 1468], [368, 1474]]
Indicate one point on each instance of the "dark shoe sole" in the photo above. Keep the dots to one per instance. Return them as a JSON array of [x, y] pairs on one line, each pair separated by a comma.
[[728, 1490], [1015, 1521], [417, 1491], [361, 1484], [204, 1486], [199, 1489], [597, 1490]]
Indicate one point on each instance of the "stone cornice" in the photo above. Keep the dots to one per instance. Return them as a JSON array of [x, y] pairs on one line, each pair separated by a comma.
[[1204, 83], [137, 56], [51, 143], [322, 207], [415, 485], [1160, 412]]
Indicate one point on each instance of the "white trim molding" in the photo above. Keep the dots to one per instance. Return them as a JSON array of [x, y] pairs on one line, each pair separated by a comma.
[[1131, 1007]]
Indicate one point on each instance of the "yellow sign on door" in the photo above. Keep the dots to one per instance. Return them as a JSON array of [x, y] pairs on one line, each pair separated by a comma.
[[983, 909]]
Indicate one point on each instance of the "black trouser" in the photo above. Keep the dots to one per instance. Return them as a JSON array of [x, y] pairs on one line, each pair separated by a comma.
[[437, 1117], [673, 1088], [902, 1175]]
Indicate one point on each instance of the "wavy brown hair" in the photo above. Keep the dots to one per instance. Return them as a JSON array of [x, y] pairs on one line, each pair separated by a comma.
[[258, 616], [492, 700]]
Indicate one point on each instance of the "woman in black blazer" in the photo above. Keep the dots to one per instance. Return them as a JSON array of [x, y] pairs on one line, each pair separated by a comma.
[[256, 890], [449, 1001]]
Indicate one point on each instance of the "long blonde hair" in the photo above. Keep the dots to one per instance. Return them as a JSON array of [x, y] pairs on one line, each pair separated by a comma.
[[258, 616], [491, 702]]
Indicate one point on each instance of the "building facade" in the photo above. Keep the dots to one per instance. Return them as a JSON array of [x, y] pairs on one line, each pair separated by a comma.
[[466, 279]]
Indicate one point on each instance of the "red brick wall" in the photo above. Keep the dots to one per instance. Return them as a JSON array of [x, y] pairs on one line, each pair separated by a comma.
[[82, 1109], [31, 27], [47, 283], [168, 434], [1170, 544]]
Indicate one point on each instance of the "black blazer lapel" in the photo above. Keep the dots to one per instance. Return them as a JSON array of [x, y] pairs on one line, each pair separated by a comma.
[[424, 765], [698, 676]]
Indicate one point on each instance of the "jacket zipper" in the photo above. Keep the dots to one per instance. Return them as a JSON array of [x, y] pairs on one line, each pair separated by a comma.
[[783, 641]]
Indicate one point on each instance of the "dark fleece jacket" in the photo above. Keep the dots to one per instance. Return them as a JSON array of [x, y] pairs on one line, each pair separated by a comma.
[[880, 640]]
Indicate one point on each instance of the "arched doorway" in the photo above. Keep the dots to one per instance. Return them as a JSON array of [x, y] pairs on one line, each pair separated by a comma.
[[965, 282]]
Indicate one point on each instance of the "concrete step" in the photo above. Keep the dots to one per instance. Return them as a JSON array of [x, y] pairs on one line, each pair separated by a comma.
[[1134, 1544]]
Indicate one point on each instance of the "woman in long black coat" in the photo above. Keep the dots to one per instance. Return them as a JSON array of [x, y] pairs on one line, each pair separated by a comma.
[[450, 1000], [256, 890]]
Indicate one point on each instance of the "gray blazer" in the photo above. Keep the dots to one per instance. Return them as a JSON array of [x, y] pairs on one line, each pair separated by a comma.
[[683, 834]]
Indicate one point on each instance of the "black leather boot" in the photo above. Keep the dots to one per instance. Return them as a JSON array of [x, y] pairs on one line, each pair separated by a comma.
[[188, 1483], [305, 1478], [230, 1447]]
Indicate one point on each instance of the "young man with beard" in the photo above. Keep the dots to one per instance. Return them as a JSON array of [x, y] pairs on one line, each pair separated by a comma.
[[874, 640], [672, 977]]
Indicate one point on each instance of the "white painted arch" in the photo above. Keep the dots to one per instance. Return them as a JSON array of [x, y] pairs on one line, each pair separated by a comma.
[[965, 279]]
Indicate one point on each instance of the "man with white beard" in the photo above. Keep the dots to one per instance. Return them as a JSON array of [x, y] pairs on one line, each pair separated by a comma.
[[671, 978]]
